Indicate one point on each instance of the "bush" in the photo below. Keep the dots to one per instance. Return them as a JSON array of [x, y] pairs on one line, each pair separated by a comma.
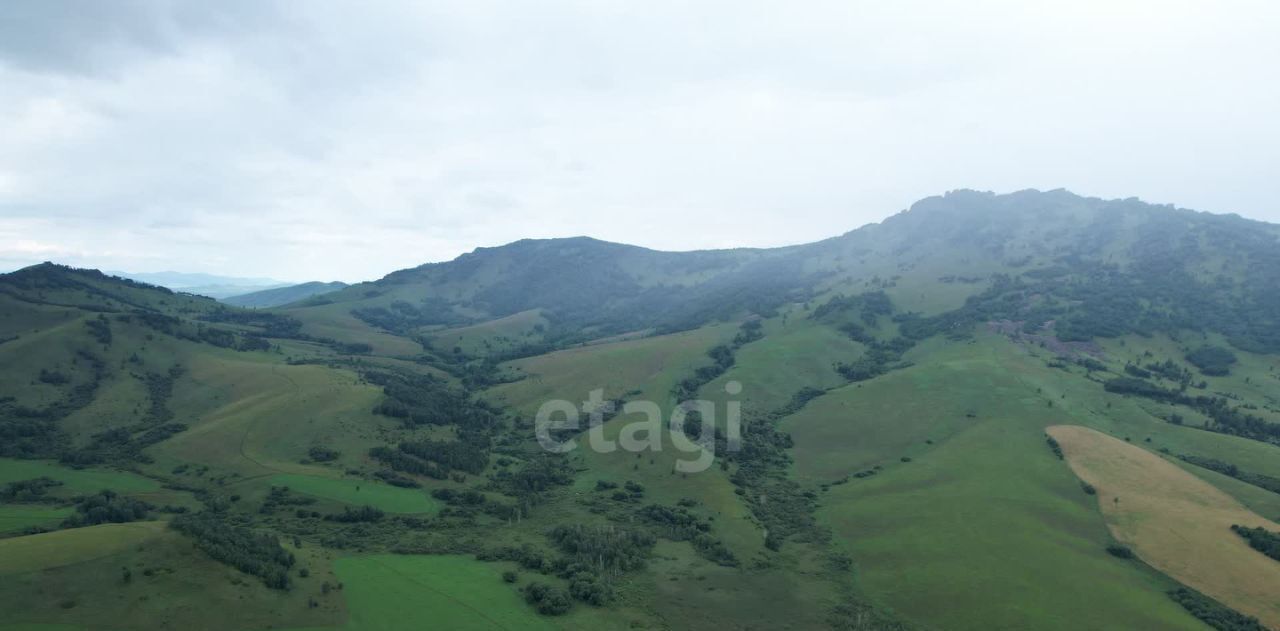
[[323, 454], [1213, 613], [1119, 551], [53, 377], [549, 601], [1260, 539], [106, 507], [1053, 444], [607, 547], [34, 490], [1212, 360], [359, 515], [589, 590], [250, 552]]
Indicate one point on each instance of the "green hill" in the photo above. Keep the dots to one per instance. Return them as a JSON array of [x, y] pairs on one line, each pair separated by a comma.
[[282, 295], [316, 462]]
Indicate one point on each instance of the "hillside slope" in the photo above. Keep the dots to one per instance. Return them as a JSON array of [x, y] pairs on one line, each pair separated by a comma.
[[282, 295], [894, 386], [1104, 267]]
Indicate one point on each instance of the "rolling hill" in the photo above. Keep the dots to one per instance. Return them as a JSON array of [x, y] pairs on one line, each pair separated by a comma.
[[282, 295], [210, 285], [883, 427]]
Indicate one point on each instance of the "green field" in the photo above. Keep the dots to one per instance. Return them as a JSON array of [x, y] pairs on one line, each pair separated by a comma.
[[360, 493], [386, 592], [76, 480], [17, 516]]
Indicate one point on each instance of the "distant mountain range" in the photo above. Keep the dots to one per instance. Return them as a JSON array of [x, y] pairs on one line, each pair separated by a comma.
[[210, 285]]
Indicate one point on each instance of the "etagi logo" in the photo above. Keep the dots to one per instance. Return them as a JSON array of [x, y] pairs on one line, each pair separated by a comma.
[[558, 418]]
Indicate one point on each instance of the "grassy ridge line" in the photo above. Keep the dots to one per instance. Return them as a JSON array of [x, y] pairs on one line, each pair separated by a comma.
[[67, 547]]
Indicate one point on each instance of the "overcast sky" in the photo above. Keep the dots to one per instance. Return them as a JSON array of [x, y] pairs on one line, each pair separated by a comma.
[[341, 141]]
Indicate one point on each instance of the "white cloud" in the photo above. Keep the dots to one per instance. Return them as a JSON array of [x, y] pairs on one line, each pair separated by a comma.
[[342, 141]]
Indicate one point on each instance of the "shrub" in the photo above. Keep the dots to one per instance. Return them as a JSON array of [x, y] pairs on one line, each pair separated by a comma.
[[248, 551], [548, 600], [1260, 539], [1213, 613], [1212, 360], [106, 507], [1119, 551], [1053, 444], [323, 454]]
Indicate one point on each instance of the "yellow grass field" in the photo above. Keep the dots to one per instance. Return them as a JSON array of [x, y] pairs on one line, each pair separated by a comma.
[[1176, 522]]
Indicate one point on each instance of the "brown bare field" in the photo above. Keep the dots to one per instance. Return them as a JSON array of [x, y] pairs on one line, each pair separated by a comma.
[[1176, 522]]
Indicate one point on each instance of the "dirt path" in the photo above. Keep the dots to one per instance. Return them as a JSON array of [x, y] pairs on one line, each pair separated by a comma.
[[1176, 522]]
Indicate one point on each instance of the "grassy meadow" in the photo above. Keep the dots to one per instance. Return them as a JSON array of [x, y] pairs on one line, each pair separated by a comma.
[[980, 485], [385, 592], [357, 492]]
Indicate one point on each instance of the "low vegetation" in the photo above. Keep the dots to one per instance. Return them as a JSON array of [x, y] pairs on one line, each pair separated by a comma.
[[1213, 613], [255, 553], [1260, 539]]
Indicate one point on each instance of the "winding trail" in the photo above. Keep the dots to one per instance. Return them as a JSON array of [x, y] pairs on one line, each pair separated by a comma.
[[249, 426]]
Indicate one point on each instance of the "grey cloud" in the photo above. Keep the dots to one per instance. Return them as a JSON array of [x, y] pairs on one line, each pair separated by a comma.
[[91, 37], [344, 140]]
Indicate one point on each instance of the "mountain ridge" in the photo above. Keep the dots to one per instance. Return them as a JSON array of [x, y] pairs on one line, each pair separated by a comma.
[[604, 287], [892, 380]]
